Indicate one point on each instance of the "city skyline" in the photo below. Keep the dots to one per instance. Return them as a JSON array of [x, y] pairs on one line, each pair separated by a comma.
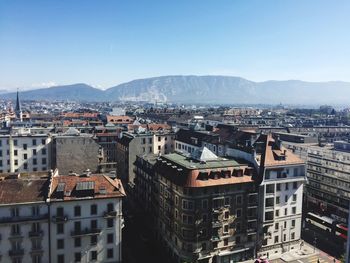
[[105, 44]]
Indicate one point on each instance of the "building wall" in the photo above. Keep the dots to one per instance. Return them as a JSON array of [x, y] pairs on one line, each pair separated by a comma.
[[32, 243], [86, 248], [76, 154], [15, 158], [281, 208]]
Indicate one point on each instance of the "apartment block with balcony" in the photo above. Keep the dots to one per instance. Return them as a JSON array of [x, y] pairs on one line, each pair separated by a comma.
[[24, 222], [282, 176], [86, 218], [207, 207]]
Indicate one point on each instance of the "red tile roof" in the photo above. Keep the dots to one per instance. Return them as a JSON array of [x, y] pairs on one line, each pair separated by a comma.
[[65, 187]]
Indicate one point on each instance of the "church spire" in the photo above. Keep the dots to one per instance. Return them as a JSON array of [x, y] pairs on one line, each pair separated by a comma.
[[18, 109]]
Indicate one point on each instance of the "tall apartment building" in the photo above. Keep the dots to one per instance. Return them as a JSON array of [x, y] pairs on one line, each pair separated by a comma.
[[25, 152], [328, 173], [86, 219], [60, 218], [204, 206], [129, 145], [280, 196], [24, 220]]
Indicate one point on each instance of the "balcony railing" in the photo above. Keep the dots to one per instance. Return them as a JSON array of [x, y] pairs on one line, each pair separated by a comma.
[[36, 233], [37, 250], [86, 232], [15, 219], [16, 235], [108, 214], [16, 252], [216, 224], [59, 219]]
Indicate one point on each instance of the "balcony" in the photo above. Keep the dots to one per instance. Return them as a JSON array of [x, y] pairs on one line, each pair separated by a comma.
[[216, 224], [36, 233], [16, 252], [215, 238], [37, 250], [59, 219], [216, 210], [86, 232], [15, 235], [17, 219], [109, 214]]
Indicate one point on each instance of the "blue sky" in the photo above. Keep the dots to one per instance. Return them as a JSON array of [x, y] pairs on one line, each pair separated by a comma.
[[105, 42]]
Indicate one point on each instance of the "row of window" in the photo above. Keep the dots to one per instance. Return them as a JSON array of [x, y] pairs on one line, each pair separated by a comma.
[[92, 256], [25, 165], [25, 145], [77, 210], [77, 241], [78, 228]]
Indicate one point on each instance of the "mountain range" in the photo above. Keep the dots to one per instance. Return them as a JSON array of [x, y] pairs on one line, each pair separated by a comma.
[[200, 89]]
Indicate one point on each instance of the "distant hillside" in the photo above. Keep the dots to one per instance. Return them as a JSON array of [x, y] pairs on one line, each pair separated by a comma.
[[202, 89], [75, 92]]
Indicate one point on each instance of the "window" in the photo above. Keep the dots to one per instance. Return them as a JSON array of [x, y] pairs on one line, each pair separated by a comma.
[[93, 224], [77, 257], [15, 212], [25, 156], [285, 224], [43, 151], [35, 162], [34, 151], [34, 142], [215, 244], [93, 209], [110, 222], [277, 213], [227, 214], [277, 200], [285, 211], [77, 211], [292, 235], [93, 255], [25, 146], [278, 186], [276, 226], [143, 140], [60, 258], [294, 210], [25, 166], [35, 210], [77, 242], [93, 240], [284, 237], [239, 212], [15, 152], [227, 201], [110, 207], [15, 229], [276, 239], [60, 243], [226, 242], [239, 199], [286, 198], [43, 161], [110, 238], [59, 211], [159, 138], [77, 226], [225, 229], [60, 228], [110, 253], [294, 197], [36, 259], [293, 223], [15, 142], [295, 185], [43, 141], [159, 147], [287, 186]]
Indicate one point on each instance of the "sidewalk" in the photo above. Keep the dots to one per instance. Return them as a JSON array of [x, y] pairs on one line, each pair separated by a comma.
[[306, 251]]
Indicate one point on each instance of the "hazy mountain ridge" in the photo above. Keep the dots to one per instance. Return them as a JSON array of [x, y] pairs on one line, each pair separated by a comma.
[[201, 89]]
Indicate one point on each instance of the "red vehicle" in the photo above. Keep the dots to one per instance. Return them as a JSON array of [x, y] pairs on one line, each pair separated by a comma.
[[341, 231]]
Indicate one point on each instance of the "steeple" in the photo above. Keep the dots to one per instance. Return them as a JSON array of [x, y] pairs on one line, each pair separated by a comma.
[[18, 109], [18, 105]]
